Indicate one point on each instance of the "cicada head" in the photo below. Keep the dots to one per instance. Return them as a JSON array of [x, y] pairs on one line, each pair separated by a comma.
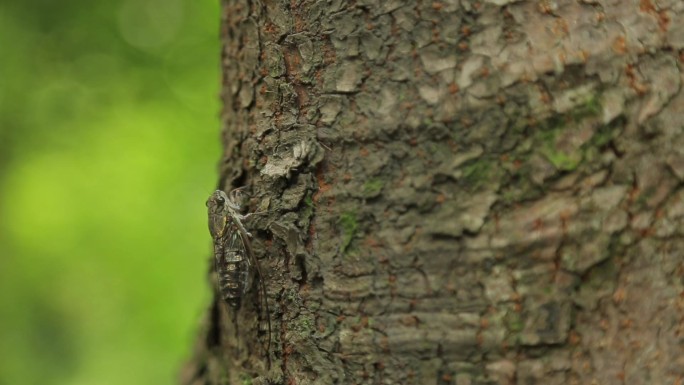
[[217, 207]]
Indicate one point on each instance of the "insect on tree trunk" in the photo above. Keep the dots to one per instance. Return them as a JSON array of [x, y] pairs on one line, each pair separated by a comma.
[[454, 192]]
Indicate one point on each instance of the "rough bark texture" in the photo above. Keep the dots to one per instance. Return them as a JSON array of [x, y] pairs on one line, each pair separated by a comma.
[[458, 192]]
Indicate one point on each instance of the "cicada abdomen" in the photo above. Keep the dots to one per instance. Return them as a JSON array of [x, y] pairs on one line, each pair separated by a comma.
[[233, 268]]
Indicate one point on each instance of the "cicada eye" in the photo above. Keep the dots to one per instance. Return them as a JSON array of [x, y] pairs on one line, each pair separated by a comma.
[[220, 197]]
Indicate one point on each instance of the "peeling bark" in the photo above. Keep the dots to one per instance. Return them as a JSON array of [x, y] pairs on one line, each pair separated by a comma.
[[455, 192]]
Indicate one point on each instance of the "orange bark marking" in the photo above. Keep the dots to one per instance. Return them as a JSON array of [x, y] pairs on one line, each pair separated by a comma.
[[620, 45]]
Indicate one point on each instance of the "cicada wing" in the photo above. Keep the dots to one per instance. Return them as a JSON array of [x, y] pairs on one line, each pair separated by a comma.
[[263, 299]]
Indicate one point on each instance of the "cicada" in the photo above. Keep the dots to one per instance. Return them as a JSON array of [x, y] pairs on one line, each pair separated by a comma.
[[235, 262]]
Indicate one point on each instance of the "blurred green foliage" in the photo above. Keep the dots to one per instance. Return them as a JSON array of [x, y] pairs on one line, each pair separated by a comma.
[[109, 138]]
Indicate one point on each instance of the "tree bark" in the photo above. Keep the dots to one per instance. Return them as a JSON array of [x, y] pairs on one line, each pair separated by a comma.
[[455, 192]]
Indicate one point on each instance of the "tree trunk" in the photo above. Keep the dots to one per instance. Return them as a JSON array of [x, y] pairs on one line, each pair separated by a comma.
[[454, 192]]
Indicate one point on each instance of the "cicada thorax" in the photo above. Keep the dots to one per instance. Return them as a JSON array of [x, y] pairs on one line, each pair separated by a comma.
[[233, 267]]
